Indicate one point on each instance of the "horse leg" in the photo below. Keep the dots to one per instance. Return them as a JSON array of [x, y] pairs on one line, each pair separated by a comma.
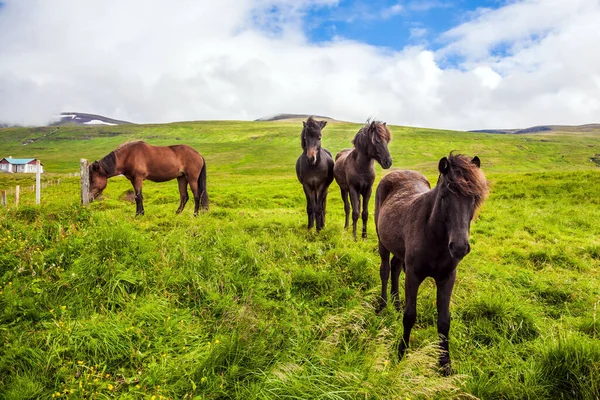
[[183, 195], [139, 200], [346, 207], [355, 200], [444, 291], [365, 211], [309, 206], [324, 202], [196, 193], [384, 274], [411, 288], [396, 264], [321, 198]]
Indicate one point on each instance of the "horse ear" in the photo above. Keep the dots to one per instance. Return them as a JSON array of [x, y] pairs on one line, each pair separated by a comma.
[[323, 123], [385, 124], [444, 166], [304, 123], [476, 161]]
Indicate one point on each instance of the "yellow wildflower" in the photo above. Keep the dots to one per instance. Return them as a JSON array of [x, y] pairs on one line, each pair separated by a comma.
[[110, 387]]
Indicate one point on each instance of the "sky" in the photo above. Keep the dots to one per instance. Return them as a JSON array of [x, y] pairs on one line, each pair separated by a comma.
[[457, 64]]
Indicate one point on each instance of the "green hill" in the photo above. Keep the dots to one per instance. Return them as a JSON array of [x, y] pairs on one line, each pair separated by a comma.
[[242, 302]]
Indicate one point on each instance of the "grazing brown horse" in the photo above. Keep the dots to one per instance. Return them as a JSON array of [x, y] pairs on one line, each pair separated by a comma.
[[314, 170], [138, 161], [427, 231], [354, 171]]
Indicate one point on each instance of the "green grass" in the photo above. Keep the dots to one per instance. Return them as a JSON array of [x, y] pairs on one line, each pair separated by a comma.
[[242, 302]]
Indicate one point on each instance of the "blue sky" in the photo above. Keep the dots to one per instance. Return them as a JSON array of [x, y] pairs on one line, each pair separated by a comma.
[[459, 64], [391, 24]]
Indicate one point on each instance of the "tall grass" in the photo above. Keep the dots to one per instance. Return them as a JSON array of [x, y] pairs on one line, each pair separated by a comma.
[[243, 302]]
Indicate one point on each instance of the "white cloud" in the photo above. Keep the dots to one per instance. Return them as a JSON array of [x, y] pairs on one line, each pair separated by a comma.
[[393, 10], [146, 61]]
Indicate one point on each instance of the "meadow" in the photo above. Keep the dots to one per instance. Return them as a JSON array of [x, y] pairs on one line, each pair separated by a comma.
[[243, 302]]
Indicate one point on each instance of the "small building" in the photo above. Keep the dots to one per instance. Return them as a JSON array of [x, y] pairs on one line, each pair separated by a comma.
[[24, 165]]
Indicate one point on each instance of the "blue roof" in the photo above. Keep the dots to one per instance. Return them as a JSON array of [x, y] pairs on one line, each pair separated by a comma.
[[19, 161]]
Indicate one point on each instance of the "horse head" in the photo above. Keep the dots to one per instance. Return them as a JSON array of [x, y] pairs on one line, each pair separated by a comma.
[[373, 140], [462, 189], [98, 180], [311, 139]]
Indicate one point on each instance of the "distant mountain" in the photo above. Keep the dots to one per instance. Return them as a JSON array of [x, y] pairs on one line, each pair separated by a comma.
[[75, 118], [545, 128], [284, 116]]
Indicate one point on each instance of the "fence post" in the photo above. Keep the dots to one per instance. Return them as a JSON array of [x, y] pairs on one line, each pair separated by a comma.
[[38, 189], [17, 194], [4, 197], [85, 182]]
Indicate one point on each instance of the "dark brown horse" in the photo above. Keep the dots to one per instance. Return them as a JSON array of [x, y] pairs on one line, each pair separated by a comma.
[[138, 161], [314, 170], [354, 171], [427, 231]]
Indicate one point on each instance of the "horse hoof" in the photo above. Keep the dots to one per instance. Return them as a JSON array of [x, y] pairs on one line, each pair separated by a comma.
[[401, 350], [446, 369], [380, 306]]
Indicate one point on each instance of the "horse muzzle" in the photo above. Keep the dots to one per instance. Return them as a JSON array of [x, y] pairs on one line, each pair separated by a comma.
[[386, 163], [459, 251], [312, 157]]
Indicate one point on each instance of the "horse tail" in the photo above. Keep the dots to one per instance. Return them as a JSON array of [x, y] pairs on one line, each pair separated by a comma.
[[202, 186], [342, 152]]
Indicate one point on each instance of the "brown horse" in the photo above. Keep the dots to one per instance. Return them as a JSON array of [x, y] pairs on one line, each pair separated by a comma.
[[314, 170], [138, 161], [427, 231], [354, 171]]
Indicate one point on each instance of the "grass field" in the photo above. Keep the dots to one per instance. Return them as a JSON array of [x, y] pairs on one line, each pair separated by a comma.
[[242, 302]]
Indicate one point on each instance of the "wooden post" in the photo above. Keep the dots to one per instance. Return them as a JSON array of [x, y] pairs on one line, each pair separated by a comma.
[[85, 182], [58, 182], [17, 194], [38, 189], [4, 197]]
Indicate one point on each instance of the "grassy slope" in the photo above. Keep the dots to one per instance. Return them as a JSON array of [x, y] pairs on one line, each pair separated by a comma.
[[242, 302]]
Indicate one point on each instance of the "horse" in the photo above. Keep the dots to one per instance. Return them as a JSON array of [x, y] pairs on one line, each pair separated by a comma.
[[427, 232], [314, 169], [354, 171], [138, 161]]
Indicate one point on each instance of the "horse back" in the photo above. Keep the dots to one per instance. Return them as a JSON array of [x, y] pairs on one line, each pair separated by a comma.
[[399, 188], [160, 163]]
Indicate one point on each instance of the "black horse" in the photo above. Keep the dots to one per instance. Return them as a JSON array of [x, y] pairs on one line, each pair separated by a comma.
[[314, 170], [427, 231], [354, 171]]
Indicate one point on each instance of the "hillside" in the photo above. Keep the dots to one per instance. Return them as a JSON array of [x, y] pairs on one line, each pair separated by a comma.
[[242, 302], [287, 116], [77, 118], [587, 128]]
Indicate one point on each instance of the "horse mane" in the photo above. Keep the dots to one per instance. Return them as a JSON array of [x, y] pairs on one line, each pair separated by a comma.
[[362, 137], [466, 178], [108, 164], [312, 125]]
